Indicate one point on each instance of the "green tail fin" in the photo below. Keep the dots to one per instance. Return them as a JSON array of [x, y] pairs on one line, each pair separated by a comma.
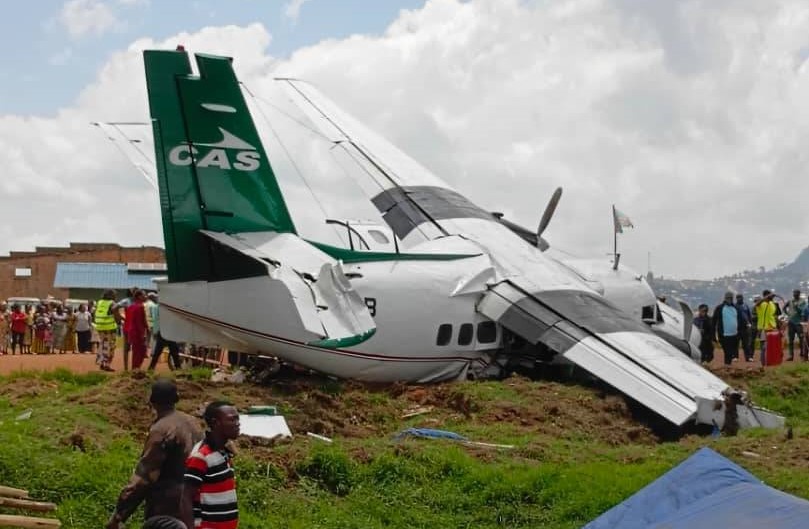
[[213, 172]]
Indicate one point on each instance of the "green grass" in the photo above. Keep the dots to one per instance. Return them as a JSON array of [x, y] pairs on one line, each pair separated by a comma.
[[375, 482]]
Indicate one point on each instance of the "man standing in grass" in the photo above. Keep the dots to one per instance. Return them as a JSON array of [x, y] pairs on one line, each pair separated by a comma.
[[158, 477], [767, 313], [729, 324], [794, 309], [747, 337], [209, 498], [703, 322], [106, 326]]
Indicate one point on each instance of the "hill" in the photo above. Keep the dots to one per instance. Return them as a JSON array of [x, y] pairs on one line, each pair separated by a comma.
[[577, 450], [781, 279]]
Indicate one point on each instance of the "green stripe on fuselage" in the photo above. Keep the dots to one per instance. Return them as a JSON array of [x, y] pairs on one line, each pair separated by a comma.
[[353, 256]]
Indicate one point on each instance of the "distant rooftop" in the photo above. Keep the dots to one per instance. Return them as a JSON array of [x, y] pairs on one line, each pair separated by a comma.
[[74, 247], [108, 275]]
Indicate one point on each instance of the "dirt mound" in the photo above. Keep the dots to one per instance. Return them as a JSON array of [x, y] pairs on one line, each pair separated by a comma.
[[563, 411], [22, 388], [354, 410]]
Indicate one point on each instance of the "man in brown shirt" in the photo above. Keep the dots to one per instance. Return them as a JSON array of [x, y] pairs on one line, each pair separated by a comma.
[[158, 476]]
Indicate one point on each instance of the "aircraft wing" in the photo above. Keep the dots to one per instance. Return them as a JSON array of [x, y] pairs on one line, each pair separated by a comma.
[[592, 334]]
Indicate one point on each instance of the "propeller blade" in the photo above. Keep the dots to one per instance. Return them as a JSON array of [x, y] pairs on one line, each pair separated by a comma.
[[549, 210]]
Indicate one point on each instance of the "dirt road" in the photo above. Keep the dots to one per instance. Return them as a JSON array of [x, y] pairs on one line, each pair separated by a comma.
[[78, 363]]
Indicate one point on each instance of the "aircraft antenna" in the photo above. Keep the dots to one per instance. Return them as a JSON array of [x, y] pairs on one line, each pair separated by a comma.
[[289, 156], [369, 159], [133, 151]]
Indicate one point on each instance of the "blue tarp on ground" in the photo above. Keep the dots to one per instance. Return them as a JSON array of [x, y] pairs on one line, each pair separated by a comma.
[[707, 491]]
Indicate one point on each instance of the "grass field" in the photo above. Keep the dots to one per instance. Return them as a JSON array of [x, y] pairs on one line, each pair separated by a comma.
[[577, 450]]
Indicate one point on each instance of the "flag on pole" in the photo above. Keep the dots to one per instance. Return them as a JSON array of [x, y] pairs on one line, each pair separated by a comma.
[[621, 221]]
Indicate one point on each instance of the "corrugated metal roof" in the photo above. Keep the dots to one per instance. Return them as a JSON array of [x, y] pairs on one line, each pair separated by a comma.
[[101, 275]]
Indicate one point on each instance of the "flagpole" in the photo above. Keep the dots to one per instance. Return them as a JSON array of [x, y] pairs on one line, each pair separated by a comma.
[[614, 239]]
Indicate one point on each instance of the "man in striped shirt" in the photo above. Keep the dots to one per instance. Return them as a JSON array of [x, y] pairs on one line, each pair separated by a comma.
[[209, 498]]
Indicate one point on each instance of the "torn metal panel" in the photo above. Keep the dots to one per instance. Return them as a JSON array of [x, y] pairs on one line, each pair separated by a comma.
[[347, 313]]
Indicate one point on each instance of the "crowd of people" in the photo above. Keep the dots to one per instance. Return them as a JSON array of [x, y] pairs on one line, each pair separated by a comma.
[[99, 327], [736, 326], [45, 329]]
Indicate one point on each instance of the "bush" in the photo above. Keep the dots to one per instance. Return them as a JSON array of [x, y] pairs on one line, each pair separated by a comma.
[[331, 468]]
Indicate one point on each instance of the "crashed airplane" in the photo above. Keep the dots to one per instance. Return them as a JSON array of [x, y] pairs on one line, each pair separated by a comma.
[[453, 293]]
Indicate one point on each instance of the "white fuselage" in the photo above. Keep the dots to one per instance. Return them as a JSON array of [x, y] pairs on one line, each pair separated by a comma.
[[408, 300]]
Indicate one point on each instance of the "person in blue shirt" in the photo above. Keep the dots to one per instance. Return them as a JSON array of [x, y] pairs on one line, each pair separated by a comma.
[[746, 335], [729, 324]]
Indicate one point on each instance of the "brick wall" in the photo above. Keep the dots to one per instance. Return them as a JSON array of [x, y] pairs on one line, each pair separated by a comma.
[[42, 263]]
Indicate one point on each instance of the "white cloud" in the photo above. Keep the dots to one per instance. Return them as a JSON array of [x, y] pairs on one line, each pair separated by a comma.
[[83, 17], [691, 117], [292, 9]]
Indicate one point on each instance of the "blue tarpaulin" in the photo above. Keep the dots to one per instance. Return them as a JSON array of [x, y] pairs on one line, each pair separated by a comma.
[[707, 491]]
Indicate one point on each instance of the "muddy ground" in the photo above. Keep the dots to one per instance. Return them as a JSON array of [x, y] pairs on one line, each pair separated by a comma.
[[352, 410]]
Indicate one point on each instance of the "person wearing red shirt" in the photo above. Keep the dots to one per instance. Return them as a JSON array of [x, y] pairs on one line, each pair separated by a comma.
[[19, 326], [135, 328], [209, 496]]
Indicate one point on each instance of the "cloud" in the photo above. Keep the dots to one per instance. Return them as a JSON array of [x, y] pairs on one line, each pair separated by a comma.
[[702, 145], [292, 9], [83, 17], [67, 182]]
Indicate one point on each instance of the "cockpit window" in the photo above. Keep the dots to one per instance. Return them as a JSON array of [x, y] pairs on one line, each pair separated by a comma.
[[379, 237]]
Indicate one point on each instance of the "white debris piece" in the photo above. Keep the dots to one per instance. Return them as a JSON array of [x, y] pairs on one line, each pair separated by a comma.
[[267, 426]]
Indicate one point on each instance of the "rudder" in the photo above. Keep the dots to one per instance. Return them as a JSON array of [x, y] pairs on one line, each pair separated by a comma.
[[213, 171]]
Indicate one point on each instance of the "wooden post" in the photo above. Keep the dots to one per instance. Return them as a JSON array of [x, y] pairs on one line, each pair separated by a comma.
[[28, 522], [29, 505], [10, 492]]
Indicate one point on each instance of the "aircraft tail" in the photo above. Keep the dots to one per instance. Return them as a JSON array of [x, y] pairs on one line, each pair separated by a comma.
[[213, 172]]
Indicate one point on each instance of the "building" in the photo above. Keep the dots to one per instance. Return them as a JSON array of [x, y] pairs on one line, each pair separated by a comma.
[[32, 274], [90, 280]]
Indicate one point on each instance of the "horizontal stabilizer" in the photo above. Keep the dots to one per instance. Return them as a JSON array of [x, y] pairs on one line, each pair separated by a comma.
[[320, 289], [271, 247]]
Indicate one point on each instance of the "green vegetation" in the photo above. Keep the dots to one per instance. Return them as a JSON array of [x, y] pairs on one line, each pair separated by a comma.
[[576, 452]]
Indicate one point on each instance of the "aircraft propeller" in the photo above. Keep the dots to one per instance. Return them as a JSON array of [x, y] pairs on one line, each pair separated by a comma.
[[546, 218], [549, 211]]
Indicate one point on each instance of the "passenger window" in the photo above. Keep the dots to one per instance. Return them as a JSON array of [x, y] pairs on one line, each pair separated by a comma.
[[465, 334], [444, 334], [487, 332]]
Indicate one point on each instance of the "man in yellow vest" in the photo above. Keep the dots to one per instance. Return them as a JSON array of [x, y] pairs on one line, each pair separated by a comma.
[[106, 326], [767, 312]]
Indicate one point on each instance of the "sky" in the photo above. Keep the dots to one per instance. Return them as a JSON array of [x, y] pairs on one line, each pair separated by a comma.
[[691, 117]]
